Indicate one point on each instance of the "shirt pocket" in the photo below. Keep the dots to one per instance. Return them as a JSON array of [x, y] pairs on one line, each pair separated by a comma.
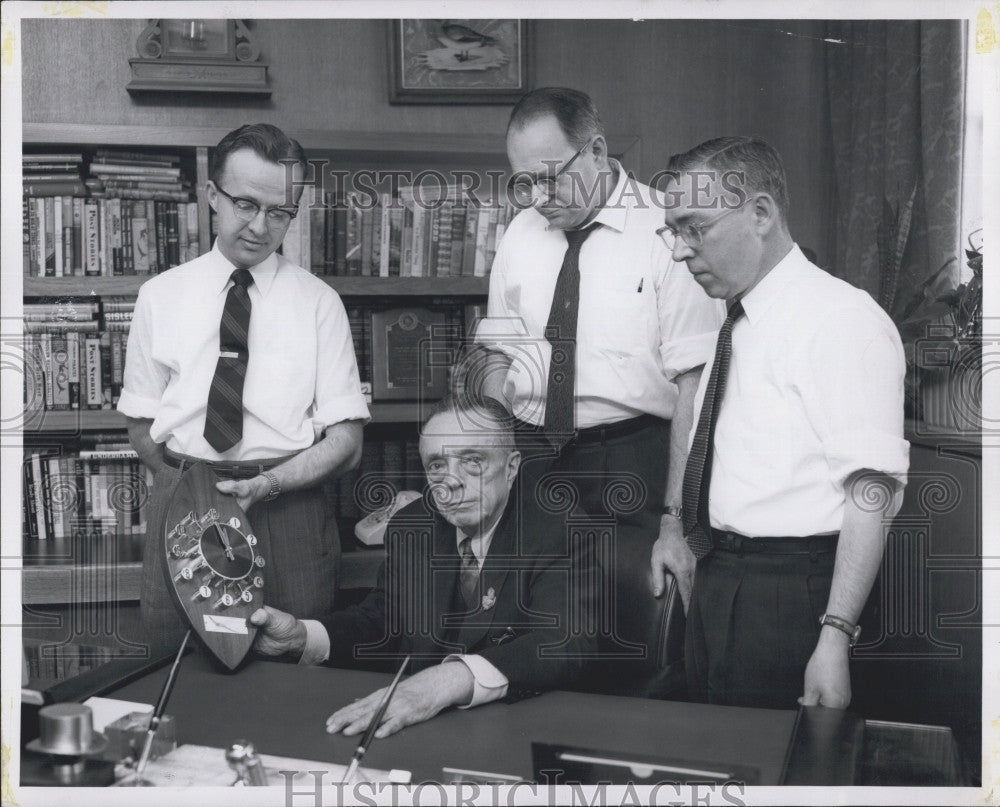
[[616, 318]]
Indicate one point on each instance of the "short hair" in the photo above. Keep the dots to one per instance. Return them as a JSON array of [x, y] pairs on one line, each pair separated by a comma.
[[473, 412], [573, 110], [756, 159], [266, 141]]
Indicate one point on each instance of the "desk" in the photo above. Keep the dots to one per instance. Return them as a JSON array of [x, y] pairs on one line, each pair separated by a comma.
[[282, 708]]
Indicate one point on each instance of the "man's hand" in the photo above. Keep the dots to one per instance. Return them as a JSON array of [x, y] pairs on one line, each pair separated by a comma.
[[246, 491], [418, 698], [278, 632], [671, 553], [828, 679]]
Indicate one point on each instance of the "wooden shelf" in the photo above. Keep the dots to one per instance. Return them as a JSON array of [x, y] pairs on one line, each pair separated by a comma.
[[56, 571], [345, 286], [57, 422]]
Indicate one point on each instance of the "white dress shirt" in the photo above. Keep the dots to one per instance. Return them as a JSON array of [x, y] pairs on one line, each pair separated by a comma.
[[489, 684], [302, 375], [814, 393], [642, 318]]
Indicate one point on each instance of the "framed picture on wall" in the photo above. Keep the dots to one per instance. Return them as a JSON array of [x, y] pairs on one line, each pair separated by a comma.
[[458, 61]]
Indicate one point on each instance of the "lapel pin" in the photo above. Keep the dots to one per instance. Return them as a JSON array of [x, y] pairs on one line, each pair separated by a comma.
[[489, 599]]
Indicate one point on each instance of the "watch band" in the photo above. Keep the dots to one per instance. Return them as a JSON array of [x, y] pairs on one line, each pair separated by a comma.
[[853, 631], [275, 490], [676, 512]]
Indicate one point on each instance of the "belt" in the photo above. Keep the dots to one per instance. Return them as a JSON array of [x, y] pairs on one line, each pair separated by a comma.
[[602, 433], [235, 469], [799, 545]]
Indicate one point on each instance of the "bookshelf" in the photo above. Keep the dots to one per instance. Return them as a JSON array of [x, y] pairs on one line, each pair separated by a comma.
[[104, 568]]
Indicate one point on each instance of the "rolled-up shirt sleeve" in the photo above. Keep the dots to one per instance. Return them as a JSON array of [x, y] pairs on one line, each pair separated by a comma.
[[338, 385], [856, 406], [689, 321], [489, 683], [145, 379]]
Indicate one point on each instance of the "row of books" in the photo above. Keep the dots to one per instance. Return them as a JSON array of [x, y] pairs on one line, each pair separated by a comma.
[[74, 369], [387, 467], [65, 236], [109, 172], [395, 238], [102, 490]]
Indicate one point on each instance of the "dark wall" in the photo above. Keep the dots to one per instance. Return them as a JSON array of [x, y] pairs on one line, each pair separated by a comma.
[[670, 83]]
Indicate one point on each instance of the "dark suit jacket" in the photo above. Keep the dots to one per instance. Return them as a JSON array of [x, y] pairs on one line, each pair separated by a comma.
[[537, 593]]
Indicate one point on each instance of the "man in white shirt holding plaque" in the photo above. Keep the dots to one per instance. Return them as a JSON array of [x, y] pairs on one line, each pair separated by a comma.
[[245, 361]]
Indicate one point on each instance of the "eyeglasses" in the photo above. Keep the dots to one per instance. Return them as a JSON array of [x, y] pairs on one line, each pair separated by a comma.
[[521, 186], [693, 234], [469, 464], [247, 210]]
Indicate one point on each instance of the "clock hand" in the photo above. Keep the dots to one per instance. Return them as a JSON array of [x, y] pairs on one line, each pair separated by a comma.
[[224, 540]]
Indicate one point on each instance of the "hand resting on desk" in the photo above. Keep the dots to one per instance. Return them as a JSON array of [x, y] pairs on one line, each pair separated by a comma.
[[418, 698]]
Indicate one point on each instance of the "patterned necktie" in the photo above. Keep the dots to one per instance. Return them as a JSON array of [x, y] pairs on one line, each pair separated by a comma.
[[468, 575], [224, 416], [561, 333], [698, 472]]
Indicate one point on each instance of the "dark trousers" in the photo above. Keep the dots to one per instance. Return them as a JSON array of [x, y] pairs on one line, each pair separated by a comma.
[[618, 477], [610, 491], [301, 573], [753, 624]]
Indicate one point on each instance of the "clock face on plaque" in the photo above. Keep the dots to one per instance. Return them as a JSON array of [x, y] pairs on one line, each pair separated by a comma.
[[214, 564]]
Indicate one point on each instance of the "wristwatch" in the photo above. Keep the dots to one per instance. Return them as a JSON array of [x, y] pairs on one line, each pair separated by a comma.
[[275, 490], [853, 631], [676, 512]]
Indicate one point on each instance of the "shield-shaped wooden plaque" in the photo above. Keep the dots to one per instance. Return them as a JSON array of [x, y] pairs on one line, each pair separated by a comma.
[[214, 564]]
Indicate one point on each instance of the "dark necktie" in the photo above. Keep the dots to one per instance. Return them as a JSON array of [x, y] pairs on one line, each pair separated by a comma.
[[224, 416], [468, 575], [698, 471], [561, 333]]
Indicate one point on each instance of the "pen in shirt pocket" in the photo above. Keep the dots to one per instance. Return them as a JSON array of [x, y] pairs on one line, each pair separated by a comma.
[[641, 281]]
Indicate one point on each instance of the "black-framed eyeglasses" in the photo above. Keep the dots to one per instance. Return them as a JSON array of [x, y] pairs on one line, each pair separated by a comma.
[[247, 210], [693, 234], [521, 186]]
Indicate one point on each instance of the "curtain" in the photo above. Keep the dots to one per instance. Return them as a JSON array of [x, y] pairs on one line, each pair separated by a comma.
[[895, 102]]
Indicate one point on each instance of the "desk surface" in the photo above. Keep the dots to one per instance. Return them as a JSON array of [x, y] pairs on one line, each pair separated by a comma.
[[282, 708]]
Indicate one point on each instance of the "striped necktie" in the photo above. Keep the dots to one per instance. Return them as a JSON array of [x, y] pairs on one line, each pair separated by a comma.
[[698, 471], [224, 415], [560, 331], [468, 575]]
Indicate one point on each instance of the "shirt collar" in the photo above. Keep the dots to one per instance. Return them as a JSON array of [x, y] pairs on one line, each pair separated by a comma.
[[759, 300], [481, 545], [263, 273]]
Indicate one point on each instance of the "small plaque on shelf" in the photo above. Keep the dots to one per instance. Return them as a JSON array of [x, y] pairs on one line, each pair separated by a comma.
[[408, 355]]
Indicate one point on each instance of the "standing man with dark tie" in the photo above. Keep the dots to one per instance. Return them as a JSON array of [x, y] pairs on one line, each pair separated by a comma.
[[244, 360], [798, 461], [596, 337]]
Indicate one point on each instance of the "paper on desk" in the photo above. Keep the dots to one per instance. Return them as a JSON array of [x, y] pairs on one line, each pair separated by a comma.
[[201, 766], [108, 710]]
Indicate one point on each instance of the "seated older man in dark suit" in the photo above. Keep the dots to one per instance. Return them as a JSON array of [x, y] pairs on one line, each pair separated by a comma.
[[484, 595]]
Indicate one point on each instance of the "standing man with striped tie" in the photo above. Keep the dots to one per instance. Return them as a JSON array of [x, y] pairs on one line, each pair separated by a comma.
[[244, 360], [797, 459], [596, 337]]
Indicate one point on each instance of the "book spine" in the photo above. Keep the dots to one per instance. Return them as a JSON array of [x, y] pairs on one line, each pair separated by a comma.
[[107, 262], [106, 375], [457, 240], [469, 242], [39, 485], [116, 454], [73, 367], [173, 234], [352, 255], [406, 248], [49, 189], [367, 229], [340, 236], [91, 239], [191, 210], [55, 484], [92, 371], [33, 243], [30, 501], [60, 372], [419, 227], [385, 235], [115, 215], [57, 235], [161, 237], [78, 249], [117, 365], [395, 239], [50, 245], [67, 235], [329, 234]]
